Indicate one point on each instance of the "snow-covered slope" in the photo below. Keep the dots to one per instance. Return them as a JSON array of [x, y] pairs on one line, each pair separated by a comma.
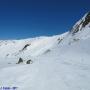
[[60, 62]]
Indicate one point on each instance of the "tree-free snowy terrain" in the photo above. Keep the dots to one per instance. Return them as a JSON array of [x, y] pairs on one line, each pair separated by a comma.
[[60, 62]]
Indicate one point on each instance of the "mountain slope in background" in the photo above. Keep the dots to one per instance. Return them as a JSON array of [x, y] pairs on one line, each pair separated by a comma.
[[60, 62]]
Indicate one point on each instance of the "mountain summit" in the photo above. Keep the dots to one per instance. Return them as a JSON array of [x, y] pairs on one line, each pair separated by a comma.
[[60, 62]]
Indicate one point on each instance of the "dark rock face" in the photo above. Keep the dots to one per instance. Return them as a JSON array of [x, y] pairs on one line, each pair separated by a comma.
[[87, 20], [29, 62], [82, 23], [76, 28], [20, 61]]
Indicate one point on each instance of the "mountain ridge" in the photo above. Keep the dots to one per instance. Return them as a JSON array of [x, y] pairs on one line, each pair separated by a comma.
[[60, 62]]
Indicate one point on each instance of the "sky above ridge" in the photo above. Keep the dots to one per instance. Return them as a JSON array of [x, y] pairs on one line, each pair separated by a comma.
[[31, 18]]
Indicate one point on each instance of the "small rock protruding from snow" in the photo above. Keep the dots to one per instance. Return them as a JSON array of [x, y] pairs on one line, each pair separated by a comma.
[[29, 62], [59, 40], [20, 61], [47, 51], [26, 46]]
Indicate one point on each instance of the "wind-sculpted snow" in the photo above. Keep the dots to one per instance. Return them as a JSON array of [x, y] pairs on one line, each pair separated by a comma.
[[60, 62]]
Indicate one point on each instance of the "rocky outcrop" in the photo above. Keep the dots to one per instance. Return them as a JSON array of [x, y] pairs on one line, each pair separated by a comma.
[[20, 61], [87, 20], [29, 62], [81, 24]]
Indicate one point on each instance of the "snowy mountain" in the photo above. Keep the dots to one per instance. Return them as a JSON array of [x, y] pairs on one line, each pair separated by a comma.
[[59, 62]]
